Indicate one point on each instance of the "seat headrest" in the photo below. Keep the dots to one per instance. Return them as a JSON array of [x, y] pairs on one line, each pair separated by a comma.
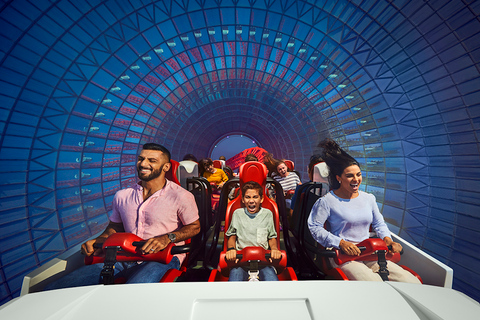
[[189, 166], [186, 169], [218, 164], [290, 164], [172, 173], [320, 173], [253, 171]]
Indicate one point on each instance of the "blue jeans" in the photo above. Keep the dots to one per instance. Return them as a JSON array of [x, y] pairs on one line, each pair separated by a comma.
[[145, 272], [266, 274]]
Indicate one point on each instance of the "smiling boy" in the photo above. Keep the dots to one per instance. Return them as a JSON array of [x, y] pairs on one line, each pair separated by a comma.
[[252, 226]]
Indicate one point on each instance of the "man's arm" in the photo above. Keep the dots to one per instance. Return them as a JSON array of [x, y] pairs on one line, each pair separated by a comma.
[[159, 243], [113, 227]]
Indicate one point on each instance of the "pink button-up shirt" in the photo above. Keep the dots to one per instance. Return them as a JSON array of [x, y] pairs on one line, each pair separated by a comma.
[[165, 211]]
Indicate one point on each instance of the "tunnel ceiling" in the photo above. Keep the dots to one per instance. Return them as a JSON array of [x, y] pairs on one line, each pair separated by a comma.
[[84, 84]]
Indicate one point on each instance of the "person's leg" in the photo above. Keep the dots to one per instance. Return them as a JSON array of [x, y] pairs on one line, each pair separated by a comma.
[[357, 270], [238, 274], [150, 271], [83, 276], [396, 273], [268, 274]]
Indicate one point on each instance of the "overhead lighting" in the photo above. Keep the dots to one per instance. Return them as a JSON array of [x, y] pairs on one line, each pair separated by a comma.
[[146, 58], [224, 31], [349, 97], [266, 34], [291, 43], [253, 31], [171, 43], [158, 50], [238, 30], [323, 66], [358, 109], [303, 48], [106, 101], [184, 37], [211, 31], [86, 144], [332, 76], [134, 67], [115, 89], [197, 33], [91, 129], [341, 86]]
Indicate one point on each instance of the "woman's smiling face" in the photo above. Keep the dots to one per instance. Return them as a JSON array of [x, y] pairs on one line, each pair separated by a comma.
[[350, 180]]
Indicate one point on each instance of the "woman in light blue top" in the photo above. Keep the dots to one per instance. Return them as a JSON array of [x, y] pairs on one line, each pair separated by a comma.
[[349, 213]]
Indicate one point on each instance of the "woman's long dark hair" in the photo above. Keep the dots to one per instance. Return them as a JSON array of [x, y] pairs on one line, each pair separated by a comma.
[[336, 159]]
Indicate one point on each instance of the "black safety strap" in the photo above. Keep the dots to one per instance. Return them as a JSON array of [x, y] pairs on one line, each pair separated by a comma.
[[107, 273], [253, 265], [382, 262]]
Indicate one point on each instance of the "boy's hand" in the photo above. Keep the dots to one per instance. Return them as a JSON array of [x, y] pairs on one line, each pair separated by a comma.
[[275, 255], [231, 255]]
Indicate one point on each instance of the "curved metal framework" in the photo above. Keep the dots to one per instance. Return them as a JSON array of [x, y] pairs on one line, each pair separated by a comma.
[[84, 84]]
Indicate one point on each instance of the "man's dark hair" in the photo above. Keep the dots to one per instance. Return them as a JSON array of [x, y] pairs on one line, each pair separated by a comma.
[[252, 185], [250, 157], [316, 158], [158, 147], [190, 157]]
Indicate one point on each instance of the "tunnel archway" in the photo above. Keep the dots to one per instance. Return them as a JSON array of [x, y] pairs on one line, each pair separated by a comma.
[[83, 85]]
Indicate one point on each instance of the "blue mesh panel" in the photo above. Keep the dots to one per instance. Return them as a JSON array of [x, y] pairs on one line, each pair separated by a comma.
[[83, 85]]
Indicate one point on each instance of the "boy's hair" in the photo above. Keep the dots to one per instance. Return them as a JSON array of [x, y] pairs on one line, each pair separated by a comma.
[[252, 185], [158, 147]]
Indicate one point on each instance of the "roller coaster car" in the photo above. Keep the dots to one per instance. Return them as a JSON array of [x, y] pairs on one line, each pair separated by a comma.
[[125, 247], [372, 249], [252, 171]]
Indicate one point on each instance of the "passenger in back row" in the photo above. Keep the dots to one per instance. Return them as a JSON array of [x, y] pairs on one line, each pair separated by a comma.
[[288, 180], [252, 226], [213, 175]]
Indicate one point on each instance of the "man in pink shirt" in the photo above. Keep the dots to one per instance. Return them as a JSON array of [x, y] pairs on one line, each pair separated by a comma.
[[155, 209]]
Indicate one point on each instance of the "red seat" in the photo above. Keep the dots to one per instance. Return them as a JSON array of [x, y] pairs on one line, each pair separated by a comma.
[[171, 174], [252, 171], [218, 164], [127, 251], [371, 245], [290, 165]]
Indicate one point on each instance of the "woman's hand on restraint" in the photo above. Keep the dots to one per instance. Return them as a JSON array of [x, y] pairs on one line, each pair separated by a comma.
[[349, 248]]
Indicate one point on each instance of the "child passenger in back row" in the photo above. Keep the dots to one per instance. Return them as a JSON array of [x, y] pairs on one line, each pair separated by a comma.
[[252, 226]]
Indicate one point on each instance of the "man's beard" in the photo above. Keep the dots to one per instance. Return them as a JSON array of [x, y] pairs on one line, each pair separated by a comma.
[[153, 175]]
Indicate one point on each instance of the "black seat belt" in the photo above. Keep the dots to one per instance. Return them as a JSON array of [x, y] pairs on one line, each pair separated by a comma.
[[382, 262], [107, 273]]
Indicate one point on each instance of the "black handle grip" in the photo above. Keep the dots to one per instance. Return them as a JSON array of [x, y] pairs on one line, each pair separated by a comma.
[[239, 256], [97, 245]]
